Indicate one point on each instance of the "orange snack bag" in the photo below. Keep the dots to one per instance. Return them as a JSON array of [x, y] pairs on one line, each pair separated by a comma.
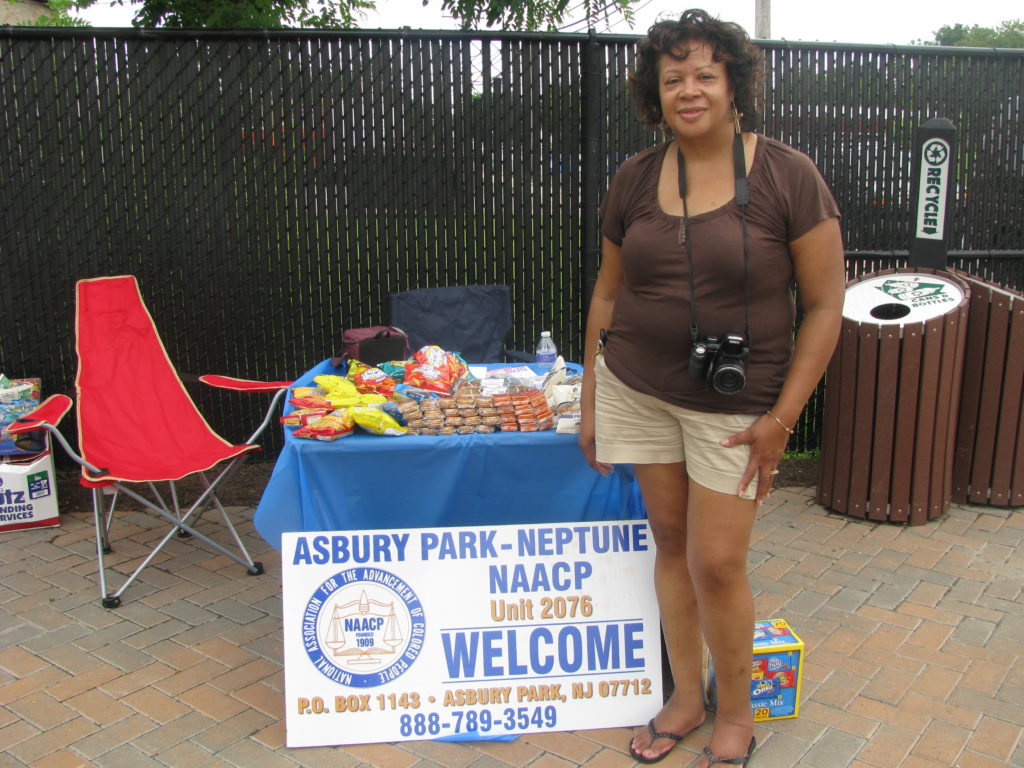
[[375, 381]]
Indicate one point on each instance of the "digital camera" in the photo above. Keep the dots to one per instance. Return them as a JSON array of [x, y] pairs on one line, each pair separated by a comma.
[[720, 362]]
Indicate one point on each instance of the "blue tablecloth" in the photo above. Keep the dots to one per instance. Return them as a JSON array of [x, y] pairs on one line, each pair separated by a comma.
[[368, 482]]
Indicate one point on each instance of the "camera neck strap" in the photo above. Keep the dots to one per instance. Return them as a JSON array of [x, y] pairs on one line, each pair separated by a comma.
[[742, 198]]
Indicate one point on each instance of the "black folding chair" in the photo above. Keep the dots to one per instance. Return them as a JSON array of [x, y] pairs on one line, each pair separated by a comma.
[[473, 320]]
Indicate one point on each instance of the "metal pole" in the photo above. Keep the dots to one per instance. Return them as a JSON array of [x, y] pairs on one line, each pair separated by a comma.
[[593, 113], [763, 19]]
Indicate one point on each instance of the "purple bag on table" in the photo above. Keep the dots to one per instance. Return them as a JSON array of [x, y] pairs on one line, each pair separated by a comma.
[[373, 345]]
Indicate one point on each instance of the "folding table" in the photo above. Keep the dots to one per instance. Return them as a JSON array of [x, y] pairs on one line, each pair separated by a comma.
[[367, 482]]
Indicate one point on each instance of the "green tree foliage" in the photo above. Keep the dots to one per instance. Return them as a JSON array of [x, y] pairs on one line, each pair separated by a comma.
[[61, 14], [529, 14], [1009, 34], [335, 14], [248, 14]]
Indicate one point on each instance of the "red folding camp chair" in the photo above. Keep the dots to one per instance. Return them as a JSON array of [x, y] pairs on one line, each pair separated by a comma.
[[138, 425]]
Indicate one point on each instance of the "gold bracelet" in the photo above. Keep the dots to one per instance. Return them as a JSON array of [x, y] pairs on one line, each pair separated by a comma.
[[778, 421]]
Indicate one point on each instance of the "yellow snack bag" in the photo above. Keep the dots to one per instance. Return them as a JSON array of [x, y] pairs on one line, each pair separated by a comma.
[[336, 386], [346, 401], [375, 421]]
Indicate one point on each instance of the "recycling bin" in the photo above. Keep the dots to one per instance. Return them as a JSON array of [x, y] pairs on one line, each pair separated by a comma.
[[892, 394]]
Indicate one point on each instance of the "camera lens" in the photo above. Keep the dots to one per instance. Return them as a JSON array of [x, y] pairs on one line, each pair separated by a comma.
[[729, 378]]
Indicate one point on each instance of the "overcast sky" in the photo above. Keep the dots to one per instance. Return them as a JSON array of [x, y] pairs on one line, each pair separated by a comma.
[[900, 22]]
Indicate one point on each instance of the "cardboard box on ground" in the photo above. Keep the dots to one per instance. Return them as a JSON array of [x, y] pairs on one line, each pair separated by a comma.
[[775, 674], [28, 487]]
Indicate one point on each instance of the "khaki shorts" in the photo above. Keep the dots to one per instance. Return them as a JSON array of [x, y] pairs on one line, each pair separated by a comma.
[[634, 428]]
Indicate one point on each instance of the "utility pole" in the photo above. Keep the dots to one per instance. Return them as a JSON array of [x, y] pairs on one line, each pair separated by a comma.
[[763, 19]]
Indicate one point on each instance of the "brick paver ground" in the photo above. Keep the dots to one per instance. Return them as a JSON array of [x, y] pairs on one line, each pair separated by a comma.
[[915, 654]]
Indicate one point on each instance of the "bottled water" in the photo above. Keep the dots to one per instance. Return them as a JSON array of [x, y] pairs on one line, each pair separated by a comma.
[[546, 351]]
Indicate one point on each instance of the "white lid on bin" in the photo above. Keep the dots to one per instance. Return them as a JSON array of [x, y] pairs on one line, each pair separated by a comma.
[[901, 297]]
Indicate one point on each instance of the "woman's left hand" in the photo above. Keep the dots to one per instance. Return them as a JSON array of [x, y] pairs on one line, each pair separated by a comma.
[[767, 441]]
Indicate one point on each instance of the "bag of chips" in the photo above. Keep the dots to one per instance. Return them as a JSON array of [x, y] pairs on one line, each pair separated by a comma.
[[311, 401], [376, 422], [370, 379], [341, 393], [435, 369], [300, 417], [329, 427]]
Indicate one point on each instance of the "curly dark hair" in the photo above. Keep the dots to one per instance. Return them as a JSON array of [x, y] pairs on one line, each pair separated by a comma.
[[730, 44]]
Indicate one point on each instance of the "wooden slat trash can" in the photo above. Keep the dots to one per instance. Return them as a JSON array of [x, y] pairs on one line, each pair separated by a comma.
[[988, 467], [891, 397]]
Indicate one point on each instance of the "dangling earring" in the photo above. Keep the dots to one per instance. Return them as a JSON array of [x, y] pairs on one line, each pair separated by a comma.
[[735, 118]]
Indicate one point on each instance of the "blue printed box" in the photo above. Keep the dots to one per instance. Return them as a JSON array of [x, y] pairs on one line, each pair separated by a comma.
[[776, 671], [16, 399]]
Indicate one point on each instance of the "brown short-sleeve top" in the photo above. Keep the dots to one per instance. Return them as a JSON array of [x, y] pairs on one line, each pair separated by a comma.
[[648, 344]]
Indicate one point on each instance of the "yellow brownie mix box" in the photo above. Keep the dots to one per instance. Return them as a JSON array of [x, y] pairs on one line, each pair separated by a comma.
[[776, 671]]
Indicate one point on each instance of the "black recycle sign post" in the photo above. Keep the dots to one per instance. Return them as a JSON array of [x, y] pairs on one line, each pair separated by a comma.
[[934, 150]]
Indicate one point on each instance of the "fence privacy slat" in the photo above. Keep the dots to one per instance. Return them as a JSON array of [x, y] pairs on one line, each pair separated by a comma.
[[269, 189]]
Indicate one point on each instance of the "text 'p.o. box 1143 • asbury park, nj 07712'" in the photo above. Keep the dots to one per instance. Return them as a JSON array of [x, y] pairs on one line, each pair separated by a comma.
[[468, 633]]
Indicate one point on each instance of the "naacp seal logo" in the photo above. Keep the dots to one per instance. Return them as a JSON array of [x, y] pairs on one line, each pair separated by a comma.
[[363, 627]]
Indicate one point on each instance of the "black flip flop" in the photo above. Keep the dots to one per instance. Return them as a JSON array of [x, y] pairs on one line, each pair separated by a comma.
[[740, 761], [655, 735]]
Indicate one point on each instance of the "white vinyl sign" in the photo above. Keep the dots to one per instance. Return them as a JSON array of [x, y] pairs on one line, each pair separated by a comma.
[[468, 633], [931, 200]]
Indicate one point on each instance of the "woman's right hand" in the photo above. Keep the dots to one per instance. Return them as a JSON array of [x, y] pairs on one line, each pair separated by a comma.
[[602, 303], [588, 443]]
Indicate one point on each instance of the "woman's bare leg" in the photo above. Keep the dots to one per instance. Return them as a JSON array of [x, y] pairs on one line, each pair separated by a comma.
[[665, 489], [718, 539]]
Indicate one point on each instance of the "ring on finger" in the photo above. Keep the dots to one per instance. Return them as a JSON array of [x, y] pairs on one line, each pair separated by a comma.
[[773, 471]]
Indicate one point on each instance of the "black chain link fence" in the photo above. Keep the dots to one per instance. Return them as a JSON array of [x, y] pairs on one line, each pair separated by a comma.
[[269, 189]]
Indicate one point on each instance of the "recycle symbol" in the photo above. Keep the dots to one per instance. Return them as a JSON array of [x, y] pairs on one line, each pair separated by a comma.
[[909, 290], [936, 152]]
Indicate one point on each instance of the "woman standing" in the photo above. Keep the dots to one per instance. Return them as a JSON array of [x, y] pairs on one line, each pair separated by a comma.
[[691, 372]]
